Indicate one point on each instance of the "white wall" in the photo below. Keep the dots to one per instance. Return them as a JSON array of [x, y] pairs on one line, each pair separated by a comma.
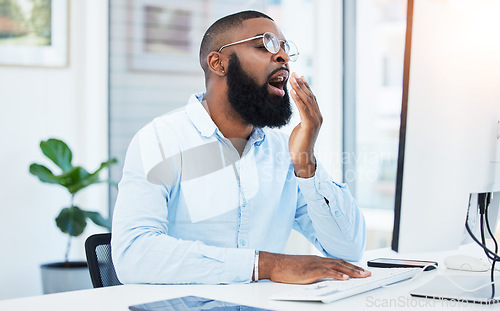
[[38, 103]]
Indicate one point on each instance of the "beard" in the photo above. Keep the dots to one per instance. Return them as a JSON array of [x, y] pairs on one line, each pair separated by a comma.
[[252, 102]]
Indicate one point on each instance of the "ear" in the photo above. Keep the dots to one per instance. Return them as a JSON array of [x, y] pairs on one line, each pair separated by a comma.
[[215, 63]]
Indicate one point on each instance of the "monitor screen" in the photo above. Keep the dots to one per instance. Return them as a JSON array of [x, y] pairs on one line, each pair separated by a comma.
[[449, 149]]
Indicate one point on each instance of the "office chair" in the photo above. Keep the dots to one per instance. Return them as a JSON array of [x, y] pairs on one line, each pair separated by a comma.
[[98, 251]]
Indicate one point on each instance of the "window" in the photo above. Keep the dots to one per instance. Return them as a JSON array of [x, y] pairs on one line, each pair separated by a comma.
[[372, 146]]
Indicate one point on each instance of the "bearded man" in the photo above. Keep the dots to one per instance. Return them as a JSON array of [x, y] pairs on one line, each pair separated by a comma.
[[211, 192]]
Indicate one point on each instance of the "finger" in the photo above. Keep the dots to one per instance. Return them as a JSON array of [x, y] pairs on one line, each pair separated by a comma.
[[315, 102], [300, 83], [301, 107], [348, 264], [302, 101], [305, 95], [305, 86], [338, 266], [351, 269], [301, 90], [334, 274]]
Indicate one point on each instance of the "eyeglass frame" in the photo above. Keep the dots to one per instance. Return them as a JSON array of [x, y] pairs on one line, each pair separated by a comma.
[[262, 36]]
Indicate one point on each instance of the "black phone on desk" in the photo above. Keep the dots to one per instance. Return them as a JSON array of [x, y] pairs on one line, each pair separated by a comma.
[[401, 263]]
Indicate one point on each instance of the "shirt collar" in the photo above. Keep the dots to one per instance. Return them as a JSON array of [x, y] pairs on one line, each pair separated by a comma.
[[206, 126], [257, 136], [199, 116]]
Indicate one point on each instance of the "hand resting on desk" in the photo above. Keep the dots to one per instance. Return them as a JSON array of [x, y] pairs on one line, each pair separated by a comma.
[[304, 269]]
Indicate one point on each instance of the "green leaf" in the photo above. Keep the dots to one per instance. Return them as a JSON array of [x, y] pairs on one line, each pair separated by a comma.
[[74, 178], [81, 178], [43, 173], [105, 164], [78, 178], [71, 220], [98, 219], [58, 152]]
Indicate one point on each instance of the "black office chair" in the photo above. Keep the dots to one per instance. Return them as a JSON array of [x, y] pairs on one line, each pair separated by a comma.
[[98, 251]]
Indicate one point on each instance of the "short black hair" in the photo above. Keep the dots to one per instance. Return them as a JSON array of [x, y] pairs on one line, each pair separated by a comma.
[[215, 34]]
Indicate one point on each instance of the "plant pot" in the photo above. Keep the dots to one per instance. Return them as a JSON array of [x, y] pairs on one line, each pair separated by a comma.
[[65, 276]]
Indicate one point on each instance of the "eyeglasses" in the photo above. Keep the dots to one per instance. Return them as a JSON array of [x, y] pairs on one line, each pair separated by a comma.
[[273, 45]]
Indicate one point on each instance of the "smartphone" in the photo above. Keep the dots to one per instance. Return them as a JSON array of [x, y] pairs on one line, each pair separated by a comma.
[[401, 263]]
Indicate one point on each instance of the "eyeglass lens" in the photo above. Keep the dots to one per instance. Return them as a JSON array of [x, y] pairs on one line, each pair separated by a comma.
[[271, 42], [273, 45]]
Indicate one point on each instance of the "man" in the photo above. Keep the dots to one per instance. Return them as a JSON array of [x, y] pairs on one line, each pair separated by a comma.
[[210, 193]]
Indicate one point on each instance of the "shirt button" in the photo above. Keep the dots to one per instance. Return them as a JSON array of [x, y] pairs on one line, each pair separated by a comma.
[[244, 204], [243, 242]]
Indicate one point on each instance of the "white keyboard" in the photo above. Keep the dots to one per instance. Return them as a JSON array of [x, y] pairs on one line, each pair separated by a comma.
[[330, 290]]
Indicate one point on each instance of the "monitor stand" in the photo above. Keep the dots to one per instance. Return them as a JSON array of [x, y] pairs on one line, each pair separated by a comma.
[[441, 288]]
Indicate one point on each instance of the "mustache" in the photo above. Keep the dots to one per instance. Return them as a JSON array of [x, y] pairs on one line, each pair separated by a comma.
[[276, 70]]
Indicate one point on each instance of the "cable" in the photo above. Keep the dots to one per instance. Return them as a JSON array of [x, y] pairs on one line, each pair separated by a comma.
[[492, 275], [445, 275], [484, 200], [488, 223], [413, 277], [483, 246], [483, 208], [483, 240]]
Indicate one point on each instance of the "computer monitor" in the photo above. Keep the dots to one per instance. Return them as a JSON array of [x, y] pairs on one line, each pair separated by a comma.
[[449, 149]]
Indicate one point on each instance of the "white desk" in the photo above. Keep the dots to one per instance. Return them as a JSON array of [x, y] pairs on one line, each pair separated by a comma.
[[255, 294]]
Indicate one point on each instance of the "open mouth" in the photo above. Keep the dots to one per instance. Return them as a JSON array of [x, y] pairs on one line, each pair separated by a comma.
[[277, 83]]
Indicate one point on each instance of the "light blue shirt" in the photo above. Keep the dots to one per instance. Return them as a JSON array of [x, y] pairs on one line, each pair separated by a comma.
[[191, 210]]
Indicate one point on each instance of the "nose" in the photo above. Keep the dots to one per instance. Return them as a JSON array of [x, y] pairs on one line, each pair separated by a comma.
[[281, 57]]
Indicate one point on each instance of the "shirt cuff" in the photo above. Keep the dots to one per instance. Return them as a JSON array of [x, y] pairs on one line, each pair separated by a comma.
[[238, 265]]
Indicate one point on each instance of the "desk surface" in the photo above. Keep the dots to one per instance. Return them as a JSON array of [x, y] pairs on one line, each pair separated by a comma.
[[255, 294]]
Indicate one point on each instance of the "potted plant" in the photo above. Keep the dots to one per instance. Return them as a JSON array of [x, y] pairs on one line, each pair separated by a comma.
[[72, 220]]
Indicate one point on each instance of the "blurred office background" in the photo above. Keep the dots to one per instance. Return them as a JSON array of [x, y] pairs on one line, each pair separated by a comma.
[[131, 60], [153, 66]]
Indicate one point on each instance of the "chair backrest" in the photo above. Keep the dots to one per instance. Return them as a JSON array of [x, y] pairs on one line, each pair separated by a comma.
[[98, 251]]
